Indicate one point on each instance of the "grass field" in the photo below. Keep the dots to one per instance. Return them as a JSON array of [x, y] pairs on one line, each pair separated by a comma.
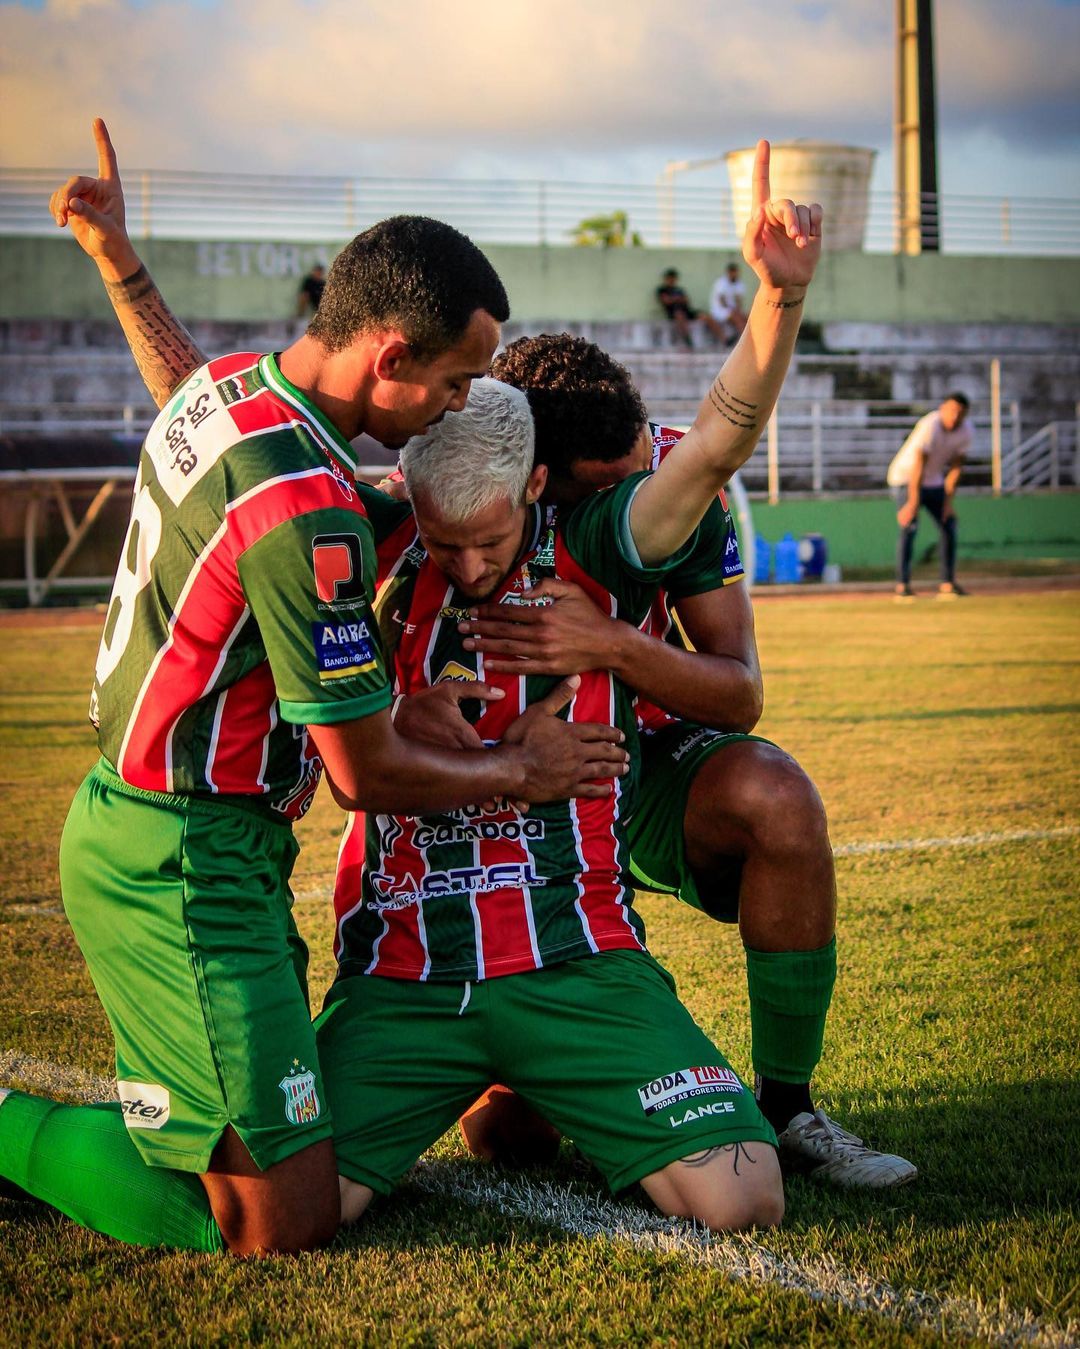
[[946, 743]]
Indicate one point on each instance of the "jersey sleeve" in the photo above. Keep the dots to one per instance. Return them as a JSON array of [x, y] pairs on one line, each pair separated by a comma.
[[597, 535], [715, 560], [309, 583]]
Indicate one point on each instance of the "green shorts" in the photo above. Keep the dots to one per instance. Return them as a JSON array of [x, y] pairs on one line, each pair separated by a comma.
[[670, 759], [181, 907], [600, 1046]]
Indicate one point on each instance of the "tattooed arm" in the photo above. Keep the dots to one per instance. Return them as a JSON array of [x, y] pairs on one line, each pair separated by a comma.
[[93, 209], [782, 243]]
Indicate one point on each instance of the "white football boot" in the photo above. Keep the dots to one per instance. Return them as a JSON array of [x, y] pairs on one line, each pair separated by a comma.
[[817, 1146]]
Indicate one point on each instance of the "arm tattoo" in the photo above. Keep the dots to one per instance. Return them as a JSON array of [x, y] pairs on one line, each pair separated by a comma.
[[736, 1149], [784, 304], [734, 410], [164, 350]]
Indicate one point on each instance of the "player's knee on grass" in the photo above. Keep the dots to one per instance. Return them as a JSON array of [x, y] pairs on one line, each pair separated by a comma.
[[727, 1188], [292, 1206], [753, 796], [355, 1199]]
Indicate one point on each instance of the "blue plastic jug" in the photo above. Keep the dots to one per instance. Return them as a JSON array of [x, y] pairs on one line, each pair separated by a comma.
[[813, 554], [787, 561], [762, 560]]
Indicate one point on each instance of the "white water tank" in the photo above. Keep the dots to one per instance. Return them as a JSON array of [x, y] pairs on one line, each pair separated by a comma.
[[837, 176]]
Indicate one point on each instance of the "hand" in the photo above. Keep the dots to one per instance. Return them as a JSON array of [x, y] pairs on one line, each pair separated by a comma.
[[565, 759], [93, 209], [434, 715], [392, 486], [947, 511], [782, 241], [572, 633], [907, 513]]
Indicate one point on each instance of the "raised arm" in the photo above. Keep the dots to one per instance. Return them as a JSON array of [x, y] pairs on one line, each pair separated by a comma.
[[93, 209], [782, 243]]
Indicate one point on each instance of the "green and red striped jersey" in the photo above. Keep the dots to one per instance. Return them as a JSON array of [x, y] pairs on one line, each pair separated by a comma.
[[476, 893], [242, 605]]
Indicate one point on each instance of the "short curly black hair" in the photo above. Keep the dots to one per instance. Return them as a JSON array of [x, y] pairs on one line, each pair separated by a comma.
[[412, 273], [583, 402]]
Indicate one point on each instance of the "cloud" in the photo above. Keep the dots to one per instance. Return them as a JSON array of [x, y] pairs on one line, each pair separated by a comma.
[[609, 88]]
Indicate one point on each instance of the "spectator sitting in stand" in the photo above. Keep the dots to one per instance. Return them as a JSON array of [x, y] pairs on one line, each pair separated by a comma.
[[726, 302], [676, 305]]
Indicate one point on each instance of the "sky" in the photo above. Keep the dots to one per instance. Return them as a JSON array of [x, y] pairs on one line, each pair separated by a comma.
[[580, 90]]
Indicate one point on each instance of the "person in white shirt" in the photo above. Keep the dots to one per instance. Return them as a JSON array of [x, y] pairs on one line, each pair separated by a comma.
[[925, 473], [726, 301]]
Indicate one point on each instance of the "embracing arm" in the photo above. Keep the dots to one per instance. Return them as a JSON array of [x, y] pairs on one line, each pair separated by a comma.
[[370, 766], [718, 684], [782, 243], [93, 209]]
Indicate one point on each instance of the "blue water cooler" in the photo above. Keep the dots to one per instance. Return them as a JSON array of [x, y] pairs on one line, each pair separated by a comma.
[[786, 560], [813, 555], [762, 560]]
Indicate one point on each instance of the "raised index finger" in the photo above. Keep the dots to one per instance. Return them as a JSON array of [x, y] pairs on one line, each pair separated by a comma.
[[761, 189], [106, 155]]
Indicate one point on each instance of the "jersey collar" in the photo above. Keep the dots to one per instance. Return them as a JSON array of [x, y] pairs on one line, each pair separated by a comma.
[[328, 436]]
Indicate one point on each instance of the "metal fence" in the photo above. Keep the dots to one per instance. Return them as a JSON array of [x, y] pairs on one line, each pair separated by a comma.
[[178, 205]]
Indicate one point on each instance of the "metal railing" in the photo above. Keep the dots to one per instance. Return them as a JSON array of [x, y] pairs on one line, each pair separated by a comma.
[[1049, 458], [177, 205], [813, 445]]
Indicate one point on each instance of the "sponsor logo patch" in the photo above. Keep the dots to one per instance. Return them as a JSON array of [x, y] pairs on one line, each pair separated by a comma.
[[145, 1105], [685, 1084], [732, 561], [342, 649], [338, 562], [453, 672], [301, 1099], [399, 894]]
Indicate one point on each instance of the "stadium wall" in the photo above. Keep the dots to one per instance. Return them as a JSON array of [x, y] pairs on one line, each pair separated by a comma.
[[860, 534], [43, 278]]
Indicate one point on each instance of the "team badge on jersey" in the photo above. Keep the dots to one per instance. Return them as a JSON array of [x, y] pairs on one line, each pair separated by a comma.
[[301, 1099], [338, 560]]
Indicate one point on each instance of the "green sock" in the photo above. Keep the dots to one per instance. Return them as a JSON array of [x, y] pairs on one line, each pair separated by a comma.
[[79, 1159], [790, 993]]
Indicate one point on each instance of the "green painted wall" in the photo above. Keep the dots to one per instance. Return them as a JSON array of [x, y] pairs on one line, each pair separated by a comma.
[[862, 533], [50, 278]]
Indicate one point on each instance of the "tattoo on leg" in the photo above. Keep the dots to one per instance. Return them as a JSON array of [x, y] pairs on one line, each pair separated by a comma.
[[737, 1150], [734, 410]]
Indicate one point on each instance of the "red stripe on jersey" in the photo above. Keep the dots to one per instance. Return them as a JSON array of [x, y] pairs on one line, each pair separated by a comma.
[[401, 947], [262, 412], [247, 716], [390, 552], [206, 613], [347, 878], [603, 895], [223, 366]]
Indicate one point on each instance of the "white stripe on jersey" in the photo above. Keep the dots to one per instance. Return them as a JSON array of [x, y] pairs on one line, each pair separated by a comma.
[[261, 776], [216, 731], [478, 927]]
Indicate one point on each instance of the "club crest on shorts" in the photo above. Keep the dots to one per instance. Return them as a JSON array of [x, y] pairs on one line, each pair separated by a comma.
[[301, 1099]]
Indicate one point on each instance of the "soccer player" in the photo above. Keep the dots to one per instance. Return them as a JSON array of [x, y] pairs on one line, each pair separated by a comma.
[[507, 940], [239, 656], [724, 819]]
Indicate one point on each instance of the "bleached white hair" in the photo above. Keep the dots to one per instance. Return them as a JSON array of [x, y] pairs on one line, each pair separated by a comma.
[[474, 457]]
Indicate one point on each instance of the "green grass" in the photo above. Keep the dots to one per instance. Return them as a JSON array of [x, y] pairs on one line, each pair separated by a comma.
[[953, 1035]]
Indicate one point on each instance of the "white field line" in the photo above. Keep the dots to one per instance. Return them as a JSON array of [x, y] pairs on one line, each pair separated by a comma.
[[735, 1256], [310, 893], [955, 841]]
